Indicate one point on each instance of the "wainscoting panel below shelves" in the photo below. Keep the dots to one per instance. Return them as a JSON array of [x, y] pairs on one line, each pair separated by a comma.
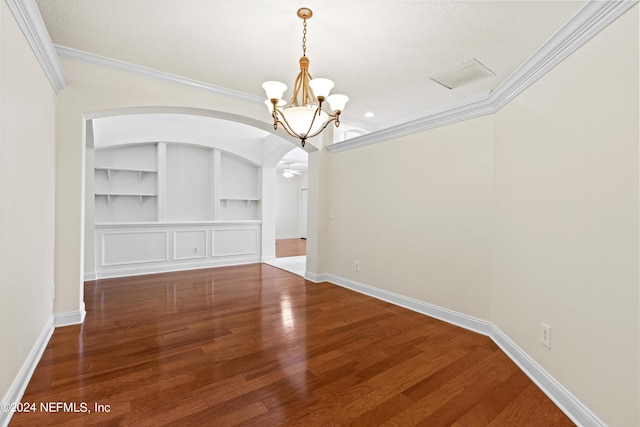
[[126, 249]]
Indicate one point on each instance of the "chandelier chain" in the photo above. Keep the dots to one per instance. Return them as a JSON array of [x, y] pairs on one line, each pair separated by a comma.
[[304, 38]]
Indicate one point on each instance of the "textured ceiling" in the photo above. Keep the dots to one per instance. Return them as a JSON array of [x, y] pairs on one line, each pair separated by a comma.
[[380, 53]]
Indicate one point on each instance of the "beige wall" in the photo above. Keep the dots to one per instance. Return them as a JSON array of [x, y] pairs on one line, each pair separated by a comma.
[[318, 184], [27, 159], [566, 222], [530, 215], [415, 212]]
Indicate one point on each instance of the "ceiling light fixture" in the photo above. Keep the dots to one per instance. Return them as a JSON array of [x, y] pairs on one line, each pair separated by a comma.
[[304, 118], [289, 173]]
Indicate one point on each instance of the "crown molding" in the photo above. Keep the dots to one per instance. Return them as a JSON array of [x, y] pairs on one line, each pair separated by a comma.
[[89, 58], [30, 21], [585, 24]]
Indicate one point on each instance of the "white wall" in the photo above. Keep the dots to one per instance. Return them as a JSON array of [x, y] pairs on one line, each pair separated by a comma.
[[189, 178], [27, 180], [238, 179], [566, 222], [288, 205]]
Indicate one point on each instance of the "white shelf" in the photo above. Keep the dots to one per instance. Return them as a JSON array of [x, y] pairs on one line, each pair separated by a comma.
[[225, 200], [109, 196], [140, 172]]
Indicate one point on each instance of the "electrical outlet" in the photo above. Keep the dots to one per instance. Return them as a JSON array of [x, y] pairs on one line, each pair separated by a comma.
[[195, 251], [356, 265], [545, 335]]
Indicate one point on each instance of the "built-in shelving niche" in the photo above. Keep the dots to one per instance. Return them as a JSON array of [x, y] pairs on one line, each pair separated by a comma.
[[126, 183], [238, 189], [173, 182]]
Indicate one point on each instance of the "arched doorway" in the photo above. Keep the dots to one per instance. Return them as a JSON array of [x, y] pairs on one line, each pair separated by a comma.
[[177, 140]]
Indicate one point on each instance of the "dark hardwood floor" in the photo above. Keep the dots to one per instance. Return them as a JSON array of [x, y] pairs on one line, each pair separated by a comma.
[[256, 346], [290, 247]]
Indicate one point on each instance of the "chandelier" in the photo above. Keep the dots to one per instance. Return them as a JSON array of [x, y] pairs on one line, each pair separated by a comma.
[[304, 118]]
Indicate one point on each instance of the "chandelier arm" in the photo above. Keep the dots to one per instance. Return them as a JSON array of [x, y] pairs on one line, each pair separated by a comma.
[[313, 120], [332, 119], [296, 89], [285, 124], [303, 139], [287, 127], [302, 82], [307, 93]]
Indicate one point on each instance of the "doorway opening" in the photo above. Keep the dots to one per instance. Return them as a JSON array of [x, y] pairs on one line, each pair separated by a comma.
[[291, 212]]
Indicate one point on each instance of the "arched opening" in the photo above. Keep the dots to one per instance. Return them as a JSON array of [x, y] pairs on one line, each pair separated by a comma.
[[178, 188]]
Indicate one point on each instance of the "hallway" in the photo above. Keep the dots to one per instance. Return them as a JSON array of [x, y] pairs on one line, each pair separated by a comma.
[[291, 256]]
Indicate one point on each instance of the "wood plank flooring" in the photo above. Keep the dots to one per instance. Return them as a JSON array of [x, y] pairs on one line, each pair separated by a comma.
[[256, 346], [290, 247]]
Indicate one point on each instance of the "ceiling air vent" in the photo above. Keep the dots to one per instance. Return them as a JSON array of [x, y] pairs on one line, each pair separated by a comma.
[[468, 72]]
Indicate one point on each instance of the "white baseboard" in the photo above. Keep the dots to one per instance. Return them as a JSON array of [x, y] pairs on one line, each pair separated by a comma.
[[19, 385], [288, 236], [140, 270], [567, 402], [69, 318], [455, 318], [90, 276], [316, 278]]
